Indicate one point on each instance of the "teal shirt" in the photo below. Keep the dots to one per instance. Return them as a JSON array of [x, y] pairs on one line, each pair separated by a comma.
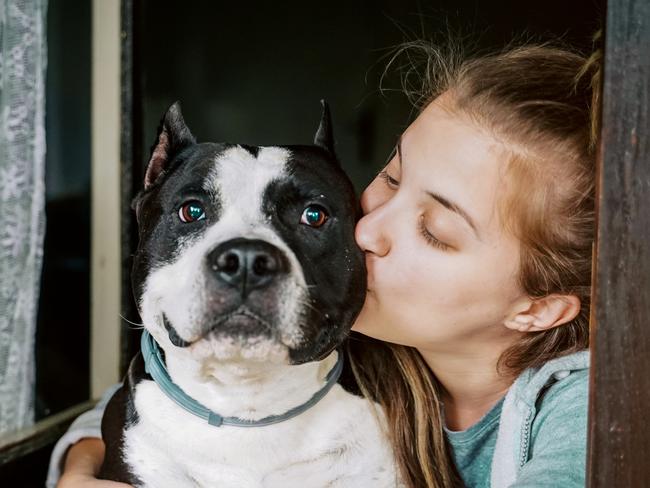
[[553, 450], [473, 448]]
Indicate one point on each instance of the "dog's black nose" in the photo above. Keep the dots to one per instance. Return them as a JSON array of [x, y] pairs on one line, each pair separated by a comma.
[[247, 264]]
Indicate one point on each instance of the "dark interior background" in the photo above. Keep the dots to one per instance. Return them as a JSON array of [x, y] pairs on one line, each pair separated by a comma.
[[250, 72], [62, 341], [255, 71]]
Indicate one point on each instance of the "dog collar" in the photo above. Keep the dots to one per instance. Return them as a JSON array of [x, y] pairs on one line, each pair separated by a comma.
[[155, 367]]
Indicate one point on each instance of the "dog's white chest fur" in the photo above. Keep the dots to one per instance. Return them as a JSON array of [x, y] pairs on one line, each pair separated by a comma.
[[336, 443]]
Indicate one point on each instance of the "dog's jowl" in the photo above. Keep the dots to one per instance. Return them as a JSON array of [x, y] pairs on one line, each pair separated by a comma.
[[247, 278]]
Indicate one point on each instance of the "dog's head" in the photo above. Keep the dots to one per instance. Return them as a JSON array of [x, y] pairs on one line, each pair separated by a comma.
[[246, 252]]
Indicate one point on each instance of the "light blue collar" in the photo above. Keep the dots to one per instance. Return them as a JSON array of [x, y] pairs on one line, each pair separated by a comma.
[[155, 366]]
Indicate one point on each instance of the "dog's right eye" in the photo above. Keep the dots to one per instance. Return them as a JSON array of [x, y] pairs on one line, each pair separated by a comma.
[[191, 212]]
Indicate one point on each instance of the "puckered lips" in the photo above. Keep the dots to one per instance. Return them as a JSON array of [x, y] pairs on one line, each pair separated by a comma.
[[240, 322]]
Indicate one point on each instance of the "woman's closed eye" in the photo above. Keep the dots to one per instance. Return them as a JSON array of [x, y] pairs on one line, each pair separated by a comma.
[[430, 238], [390, 181]]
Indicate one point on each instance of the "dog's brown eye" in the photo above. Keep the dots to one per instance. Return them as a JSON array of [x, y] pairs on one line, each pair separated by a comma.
[[191, 212], [313, 216]]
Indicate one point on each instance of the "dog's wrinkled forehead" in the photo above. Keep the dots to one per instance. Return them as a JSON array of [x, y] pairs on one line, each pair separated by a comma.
[[240, 176]]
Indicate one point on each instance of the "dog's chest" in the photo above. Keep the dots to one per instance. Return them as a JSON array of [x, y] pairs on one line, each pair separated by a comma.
[[336, 443]]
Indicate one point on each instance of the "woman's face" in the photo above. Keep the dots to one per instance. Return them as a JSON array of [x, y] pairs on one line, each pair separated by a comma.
[[441, 270]]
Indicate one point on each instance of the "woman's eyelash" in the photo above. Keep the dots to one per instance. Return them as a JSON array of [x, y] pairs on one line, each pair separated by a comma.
[[383, 174], [430, 238]]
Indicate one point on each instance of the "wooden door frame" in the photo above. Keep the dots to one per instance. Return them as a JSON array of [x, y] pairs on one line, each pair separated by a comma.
[[619, 436]]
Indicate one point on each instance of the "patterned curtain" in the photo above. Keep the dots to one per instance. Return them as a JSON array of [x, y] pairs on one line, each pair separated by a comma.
[[23, 59]]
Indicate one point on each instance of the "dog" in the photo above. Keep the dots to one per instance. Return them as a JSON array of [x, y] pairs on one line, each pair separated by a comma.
[[247, 278]]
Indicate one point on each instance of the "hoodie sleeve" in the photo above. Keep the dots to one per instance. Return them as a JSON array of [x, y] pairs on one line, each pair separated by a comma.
[[558, 441], [88, 424]]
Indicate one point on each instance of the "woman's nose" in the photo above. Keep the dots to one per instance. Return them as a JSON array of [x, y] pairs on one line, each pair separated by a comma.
[[370, 233], [372, 197]]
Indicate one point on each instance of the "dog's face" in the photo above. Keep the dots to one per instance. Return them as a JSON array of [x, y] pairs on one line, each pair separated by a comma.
[[246, 253]]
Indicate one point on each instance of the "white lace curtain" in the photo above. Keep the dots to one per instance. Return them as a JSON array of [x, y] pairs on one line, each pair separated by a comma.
[[22, 216]]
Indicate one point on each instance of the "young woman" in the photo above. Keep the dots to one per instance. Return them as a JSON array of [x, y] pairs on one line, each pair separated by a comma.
[[478, 235]]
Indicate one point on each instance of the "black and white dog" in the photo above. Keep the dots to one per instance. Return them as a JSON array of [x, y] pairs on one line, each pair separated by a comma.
[[247, 278]]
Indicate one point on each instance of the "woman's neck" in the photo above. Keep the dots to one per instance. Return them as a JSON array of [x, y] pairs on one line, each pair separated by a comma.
[[471, 384]]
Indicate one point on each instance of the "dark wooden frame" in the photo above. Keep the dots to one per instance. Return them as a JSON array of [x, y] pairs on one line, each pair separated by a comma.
[[41, 434], [131, 169], [619, 442]]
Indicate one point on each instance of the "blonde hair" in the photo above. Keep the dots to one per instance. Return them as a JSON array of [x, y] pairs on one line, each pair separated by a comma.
[[541, 101]]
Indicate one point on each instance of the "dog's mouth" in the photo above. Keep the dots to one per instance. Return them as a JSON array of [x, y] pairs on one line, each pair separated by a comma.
[[240, 322]]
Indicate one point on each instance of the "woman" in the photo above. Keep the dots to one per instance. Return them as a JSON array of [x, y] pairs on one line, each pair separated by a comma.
[[478, 235]]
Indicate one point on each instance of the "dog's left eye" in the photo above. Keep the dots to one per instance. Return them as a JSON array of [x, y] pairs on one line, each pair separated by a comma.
[[313, 216], [191, 212]]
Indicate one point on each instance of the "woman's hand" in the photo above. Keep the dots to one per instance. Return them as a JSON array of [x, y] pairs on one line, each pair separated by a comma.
[[82, 464]]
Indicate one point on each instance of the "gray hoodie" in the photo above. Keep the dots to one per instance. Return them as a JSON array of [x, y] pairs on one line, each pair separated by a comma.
[[542, 436]]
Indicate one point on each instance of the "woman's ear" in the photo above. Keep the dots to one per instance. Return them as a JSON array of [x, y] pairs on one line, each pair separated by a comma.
[[544, 313]]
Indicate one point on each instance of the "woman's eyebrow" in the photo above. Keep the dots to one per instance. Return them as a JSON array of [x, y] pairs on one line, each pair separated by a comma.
[[445, 202]]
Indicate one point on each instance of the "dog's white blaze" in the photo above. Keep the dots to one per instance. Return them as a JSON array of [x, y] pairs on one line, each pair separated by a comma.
[[240, 179], [243, 216]]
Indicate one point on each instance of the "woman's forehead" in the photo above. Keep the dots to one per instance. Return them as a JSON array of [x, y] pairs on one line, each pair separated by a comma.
[[453, 135], [446, 154]]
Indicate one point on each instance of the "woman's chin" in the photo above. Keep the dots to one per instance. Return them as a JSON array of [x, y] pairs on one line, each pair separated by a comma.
[[362, 324], [370, 321], [366, 325]]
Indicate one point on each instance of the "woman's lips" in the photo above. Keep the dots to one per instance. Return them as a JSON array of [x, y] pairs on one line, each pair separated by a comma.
[[370, 282], [370, 272], [370, 285]]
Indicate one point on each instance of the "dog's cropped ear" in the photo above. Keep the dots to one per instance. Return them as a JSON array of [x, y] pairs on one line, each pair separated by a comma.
[[324, 137], [173, 135]]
